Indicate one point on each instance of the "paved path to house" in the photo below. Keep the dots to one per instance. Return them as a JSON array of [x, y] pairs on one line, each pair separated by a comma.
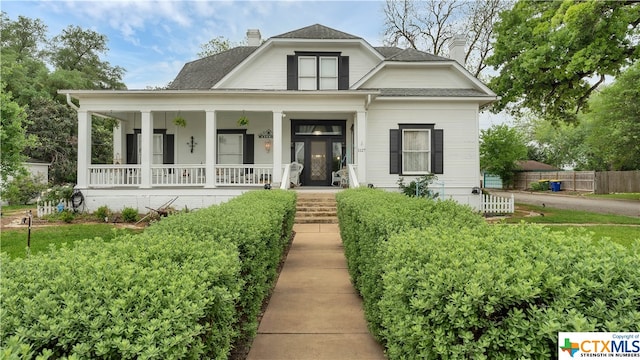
[[314, 312]]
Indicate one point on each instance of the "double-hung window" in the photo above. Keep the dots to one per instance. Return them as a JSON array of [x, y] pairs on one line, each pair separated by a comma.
[[416, 151], [317, 73]]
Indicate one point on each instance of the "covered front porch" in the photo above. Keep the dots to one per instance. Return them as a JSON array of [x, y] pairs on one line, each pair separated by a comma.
[[207, 140]]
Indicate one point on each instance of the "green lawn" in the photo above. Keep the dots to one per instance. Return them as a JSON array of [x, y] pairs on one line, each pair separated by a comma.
[[14, 241], [621, 229], [624, 196], [624, 235], [561, 216]]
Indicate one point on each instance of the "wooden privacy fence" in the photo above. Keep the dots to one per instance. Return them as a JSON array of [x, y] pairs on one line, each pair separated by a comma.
[[492, 204], [617, 182], [598, 182], [570, 180]]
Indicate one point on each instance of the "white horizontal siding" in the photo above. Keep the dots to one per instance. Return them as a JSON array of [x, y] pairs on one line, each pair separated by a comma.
[[460, 125], [419, 77], [269, 69]]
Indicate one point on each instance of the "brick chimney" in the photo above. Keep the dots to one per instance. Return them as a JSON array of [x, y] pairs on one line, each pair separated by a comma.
[[456, 48], [253, 37]]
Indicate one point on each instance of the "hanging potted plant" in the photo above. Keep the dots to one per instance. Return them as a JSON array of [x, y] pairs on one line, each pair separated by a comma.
[[180, 121], [243, 120]]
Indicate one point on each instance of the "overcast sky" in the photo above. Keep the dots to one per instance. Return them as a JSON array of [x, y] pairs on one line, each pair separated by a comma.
[[152, 40]]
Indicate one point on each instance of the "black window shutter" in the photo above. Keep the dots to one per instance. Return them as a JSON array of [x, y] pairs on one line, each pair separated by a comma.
[[132, 148], [394, 151], [437, 158], [168, 156], [343, 73], [249, 146], [292, 72]]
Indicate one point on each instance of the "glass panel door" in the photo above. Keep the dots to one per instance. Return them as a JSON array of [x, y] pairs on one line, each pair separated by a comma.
[[318, 159]]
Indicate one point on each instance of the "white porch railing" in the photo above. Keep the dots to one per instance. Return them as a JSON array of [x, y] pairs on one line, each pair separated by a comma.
[[115, 175], [180, 175], [284, 184], [245, 175], [177, 175], [497, 205], [353, 176]]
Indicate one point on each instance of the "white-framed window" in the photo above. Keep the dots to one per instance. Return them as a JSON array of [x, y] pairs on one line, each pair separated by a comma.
[[158, 148], [307, 73], [230, 149], [317, 72], [416, 151], [328, 73]]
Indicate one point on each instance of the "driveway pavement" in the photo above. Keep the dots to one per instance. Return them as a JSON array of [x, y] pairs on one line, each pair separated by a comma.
[[571, 202]]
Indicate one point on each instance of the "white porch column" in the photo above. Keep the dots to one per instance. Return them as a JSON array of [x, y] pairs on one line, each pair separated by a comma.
[[210, 148], [84, 148], [146, 146], [361, 147], [277, 147]]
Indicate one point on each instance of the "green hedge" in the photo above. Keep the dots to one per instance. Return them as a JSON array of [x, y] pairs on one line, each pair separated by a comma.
[[449, 290], [260, 223], [369, 217], [182, 289]]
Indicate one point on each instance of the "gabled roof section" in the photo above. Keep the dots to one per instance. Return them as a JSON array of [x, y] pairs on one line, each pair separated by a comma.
[[316, 31], [415, 55], [431, 92], [204, 73]]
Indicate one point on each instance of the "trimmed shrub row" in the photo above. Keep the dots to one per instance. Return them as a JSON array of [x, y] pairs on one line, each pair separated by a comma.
[[183, 289], [369, 217], [459, 288]]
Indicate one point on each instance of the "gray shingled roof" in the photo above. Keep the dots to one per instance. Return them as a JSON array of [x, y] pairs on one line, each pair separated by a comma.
[[415, 55], [204, 73], [432, 92], [316, 31]]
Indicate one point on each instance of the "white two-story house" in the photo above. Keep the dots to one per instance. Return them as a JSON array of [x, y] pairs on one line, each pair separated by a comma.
[[315, 99]]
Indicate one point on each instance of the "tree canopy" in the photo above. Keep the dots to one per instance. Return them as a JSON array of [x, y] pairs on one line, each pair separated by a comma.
[[30, 97], [430, 25], [501, 147], [552, 55]]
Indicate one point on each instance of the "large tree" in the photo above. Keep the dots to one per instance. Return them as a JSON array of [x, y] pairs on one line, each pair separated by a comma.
[[77, 49], [552, 55], [614, 124], [13, 138], [75, 59], [430, 25], [501, 147]]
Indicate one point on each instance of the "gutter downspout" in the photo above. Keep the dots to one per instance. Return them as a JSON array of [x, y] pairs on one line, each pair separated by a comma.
[[71, 102]]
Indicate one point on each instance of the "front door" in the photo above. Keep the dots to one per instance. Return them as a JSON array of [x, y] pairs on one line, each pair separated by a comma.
[[320, 147]]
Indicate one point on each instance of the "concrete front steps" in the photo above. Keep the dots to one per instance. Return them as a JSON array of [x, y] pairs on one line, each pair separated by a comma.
[[316, 208]]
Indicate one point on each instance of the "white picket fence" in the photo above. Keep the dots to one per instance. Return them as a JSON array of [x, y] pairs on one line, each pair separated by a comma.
[[492, 204], [48, 207]]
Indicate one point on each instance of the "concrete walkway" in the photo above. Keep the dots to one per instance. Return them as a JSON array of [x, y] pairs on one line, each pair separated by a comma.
[[314, 312]]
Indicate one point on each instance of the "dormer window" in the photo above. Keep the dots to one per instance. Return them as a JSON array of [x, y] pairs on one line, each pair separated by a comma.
[[317, 71]]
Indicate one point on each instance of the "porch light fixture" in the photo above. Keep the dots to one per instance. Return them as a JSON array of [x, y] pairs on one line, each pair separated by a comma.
[[192, 144], [267, 145]]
